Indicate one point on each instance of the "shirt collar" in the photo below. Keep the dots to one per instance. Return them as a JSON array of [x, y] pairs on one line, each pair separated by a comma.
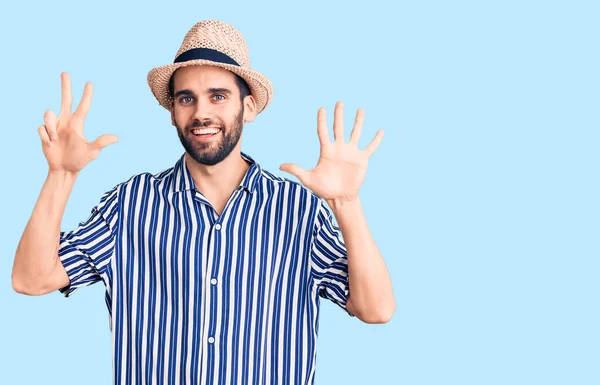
[[182, 178]]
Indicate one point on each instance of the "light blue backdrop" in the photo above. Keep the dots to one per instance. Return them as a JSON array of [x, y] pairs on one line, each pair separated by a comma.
[[483, 196]]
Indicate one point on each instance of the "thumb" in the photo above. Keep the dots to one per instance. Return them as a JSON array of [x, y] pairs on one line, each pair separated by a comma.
[[104, 140], [101, 142], [296, 170]]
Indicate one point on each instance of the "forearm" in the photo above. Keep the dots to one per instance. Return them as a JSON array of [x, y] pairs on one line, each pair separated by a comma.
[[370, 283], [36, 255]]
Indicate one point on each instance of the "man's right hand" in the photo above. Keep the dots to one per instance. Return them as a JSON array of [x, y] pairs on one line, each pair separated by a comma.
[[63, 141]]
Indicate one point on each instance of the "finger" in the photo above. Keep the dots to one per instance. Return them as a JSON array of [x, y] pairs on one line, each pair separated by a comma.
[[101, 142], [67, 97], [322, 127], [297, 171], [51, 124], [338, 122], [358, 123], [371, 147], [104, 140], [86, 101], [44, 135]]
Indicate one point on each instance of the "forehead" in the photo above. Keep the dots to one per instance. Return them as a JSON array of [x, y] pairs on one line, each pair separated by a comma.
[[203, 76]]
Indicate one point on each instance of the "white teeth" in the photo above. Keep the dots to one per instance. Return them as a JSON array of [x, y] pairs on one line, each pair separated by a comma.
[[201, 131]]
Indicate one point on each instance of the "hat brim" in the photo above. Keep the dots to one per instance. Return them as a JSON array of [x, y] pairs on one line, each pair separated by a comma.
[[260, 86]]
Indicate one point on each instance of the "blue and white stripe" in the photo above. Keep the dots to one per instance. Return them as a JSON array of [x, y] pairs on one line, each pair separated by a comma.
[[198, 298]]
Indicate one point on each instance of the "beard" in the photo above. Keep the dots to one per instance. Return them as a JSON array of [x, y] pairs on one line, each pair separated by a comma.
[[212, 153]]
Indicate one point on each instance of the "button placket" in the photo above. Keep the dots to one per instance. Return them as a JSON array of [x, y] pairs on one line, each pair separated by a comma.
[[212, 283], [211, 293]]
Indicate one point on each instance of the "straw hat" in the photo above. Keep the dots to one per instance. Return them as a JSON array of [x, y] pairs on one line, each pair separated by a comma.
[[212, 42]]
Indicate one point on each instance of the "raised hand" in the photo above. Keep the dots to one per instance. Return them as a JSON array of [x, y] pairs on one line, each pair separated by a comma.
[[63, 141], [342, 167]]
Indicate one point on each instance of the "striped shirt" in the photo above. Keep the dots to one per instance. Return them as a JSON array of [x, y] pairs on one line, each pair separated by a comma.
[[200, 298]]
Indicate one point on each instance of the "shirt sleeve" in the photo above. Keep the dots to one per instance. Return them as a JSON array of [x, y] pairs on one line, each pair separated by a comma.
[[329, 259], [86, 251]]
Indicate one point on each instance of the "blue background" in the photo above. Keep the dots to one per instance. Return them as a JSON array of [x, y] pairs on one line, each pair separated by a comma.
[[483, 196]]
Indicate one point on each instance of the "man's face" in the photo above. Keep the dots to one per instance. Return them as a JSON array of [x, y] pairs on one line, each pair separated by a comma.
[[208, 112]]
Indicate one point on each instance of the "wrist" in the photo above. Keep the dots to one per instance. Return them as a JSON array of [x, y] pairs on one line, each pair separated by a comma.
[[344, 203], [63, 175]]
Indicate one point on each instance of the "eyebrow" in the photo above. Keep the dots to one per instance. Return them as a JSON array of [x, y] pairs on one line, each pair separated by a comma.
[[209, 91]]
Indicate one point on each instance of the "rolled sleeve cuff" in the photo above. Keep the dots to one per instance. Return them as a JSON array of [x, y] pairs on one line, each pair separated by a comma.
[[78, 266]]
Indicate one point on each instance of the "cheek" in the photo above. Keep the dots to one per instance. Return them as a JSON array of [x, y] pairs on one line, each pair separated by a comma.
[[179, 117]]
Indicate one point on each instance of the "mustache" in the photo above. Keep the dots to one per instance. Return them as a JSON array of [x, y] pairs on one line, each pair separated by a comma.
[[204, 123]]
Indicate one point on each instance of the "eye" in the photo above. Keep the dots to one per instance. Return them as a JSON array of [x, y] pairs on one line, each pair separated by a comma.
[[185, 97], [219, 95]]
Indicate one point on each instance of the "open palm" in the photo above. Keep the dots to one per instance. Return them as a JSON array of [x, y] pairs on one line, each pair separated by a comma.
[[342, 166], [64, 144]]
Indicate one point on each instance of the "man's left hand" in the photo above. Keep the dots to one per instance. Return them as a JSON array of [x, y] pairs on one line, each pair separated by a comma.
[[342, 167]]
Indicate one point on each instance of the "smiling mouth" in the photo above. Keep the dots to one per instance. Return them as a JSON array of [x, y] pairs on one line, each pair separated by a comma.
[[205, 132]]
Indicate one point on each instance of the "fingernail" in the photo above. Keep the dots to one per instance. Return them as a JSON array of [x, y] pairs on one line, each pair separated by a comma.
[[52, 136]]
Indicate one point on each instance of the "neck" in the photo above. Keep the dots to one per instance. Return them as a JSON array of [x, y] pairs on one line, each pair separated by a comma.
[[220, 179]]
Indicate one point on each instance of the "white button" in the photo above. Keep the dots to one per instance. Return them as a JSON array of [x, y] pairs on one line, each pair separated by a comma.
[[218, 226], [213, 281], [211, 340]]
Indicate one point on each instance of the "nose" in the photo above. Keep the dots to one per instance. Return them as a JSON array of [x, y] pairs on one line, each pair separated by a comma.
[[203, 110]]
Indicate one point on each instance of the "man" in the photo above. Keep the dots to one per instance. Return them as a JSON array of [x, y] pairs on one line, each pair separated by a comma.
[[213, 267]]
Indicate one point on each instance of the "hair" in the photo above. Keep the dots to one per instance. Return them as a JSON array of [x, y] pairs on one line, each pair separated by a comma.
[[239, 81]]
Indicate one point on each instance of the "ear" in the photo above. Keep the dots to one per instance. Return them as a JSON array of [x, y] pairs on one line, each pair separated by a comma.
[[172, 112], [249, 108]]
